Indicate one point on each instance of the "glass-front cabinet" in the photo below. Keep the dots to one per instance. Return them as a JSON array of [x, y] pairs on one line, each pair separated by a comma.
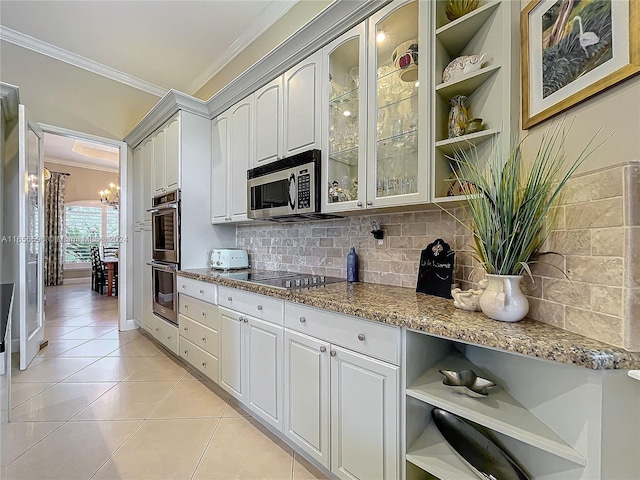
[[345, 117], [397, 160], [372, 107]]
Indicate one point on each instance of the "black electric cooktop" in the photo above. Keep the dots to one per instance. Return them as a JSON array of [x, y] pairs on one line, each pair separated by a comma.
[[280, 279]]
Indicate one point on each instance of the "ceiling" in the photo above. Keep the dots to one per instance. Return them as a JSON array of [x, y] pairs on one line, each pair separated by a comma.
[[80, 153], [98, 67]]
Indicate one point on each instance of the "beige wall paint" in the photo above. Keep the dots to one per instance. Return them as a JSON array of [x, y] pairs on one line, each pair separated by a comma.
[[84, 183], [616, 110], [290, 23]]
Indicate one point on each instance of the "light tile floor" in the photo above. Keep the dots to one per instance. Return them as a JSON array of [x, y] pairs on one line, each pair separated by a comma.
[[101, 404]]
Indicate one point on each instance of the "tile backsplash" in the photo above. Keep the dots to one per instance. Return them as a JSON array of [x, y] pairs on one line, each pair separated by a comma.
[[597, 233]]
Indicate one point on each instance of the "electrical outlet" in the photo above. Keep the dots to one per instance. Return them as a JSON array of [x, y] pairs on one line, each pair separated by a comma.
[[381, 244]]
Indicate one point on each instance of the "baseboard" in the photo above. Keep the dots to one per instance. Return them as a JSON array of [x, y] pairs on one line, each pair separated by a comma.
[[129, 324]]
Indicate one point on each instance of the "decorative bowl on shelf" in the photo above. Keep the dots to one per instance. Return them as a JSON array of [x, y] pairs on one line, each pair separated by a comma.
[[458, 8], [467, 382], [474, 125], [405, 58], [461, 66]]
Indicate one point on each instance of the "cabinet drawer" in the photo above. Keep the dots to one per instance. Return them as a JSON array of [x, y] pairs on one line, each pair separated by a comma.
[[204, 337], [197, 289], [199, 311], [202, 361], [258, 306], [364, 336], [167, 335]]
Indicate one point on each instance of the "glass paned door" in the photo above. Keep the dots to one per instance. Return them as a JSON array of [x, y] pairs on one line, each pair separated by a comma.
[[345, 120], [396, 103]]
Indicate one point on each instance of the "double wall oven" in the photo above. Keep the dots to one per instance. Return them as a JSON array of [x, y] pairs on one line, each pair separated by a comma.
[[165, 233]]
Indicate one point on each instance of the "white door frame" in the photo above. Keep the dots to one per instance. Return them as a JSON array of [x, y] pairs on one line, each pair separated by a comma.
[[124, 323]]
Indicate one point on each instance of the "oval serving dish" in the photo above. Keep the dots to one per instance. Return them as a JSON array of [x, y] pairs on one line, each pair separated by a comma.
[[467, 382]]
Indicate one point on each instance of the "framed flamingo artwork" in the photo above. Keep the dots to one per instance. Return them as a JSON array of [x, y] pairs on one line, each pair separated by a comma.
[[573, 49]]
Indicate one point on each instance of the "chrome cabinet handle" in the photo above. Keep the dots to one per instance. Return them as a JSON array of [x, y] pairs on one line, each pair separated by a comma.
[[369, 202], [259, 307], [302, 319], [204, 364], [186, 352], [184, 286], [323, 349], [201, 291], [157, 329], [361, 337], [169, 337], [332, 353], [359, 204], [186, 329], [204, 339], [186, 307], [229, 299], [204, 314], [246, 320]]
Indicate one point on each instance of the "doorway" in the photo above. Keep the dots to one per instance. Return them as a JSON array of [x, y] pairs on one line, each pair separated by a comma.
[[94, 219]]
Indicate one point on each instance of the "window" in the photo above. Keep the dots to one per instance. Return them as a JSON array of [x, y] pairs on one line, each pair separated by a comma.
[[88, 223]]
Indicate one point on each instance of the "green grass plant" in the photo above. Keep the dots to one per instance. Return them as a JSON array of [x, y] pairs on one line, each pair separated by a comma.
[[511, 201]]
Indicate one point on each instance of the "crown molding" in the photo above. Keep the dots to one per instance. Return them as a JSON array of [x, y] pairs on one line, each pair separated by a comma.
[[10, 96], [270, 15], [332, 22], [43, 48], [165, 108]]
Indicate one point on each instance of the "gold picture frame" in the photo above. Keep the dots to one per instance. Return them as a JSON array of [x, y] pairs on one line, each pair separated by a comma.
[[568, 54]]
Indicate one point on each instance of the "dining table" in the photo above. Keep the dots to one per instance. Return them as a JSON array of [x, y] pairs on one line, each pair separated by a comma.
[[111, 263]]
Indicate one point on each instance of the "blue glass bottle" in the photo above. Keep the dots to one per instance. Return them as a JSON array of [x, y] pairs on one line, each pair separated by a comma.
[[352, 265]]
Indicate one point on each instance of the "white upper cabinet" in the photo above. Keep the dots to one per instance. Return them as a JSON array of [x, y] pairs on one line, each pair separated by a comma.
[[232, 155], [302, 126], [373, 105], [167, 157], [344, 116], [268, 122]]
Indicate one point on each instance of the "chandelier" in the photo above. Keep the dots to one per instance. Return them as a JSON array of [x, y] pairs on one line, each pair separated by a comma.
[[111, 196]]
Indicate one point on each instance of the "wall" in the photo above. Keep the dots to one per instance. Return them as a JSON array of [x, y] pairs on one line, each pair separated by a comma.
[[291, 22], [83, 183]]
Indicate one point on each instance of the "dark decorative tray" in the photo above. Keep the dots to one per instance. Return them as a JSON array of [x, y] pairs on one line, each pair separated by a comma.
[[475, 448]]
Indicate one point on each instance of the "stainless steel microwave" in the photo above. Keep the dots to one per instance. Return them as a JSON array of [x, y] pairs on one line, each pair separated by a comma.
[[285, 188]]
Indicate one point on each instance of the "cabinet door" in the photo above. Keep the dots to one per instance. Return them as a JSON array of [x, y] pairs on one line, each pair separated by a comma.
[[302, 106], [219, 167], [344, 113], [263, 347], [148, 318], [231, 358], [397, 168], [159, 162], [364, 417], [148, 175], [138, 197], [306, 397], [138, 272], [240, 154], [268, 122], [172, 154]]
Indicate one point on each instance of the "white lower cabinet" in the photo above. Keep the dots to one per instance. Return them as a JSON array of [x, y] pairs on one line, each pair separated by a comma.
[[342, 408], [199, 332], [251, 364], [166, 334]]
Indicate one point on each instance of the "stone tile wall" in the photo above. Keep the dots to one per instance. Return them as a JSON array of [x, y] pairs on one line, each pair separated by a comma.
[[597, 233]]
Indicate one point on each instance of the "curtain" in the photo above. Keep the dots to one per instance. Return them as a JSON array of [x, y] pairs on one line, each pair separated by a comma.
[[54, 229]]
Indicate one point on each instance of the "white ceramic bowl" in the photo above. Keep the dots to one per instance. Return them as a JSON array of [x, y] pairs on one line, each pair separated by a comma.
[[405, 58]]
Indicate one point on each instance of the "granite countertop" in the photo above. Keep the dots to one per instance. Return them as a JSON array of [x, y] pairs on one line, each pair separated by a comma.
[[6, 295], [405, 308]]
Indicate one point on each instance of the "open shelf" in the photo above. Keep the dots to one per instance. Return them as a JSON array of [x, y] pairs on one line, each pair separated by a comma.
[[468, 84], [450, 146], [499, 411], [456, 35], [433, 454]]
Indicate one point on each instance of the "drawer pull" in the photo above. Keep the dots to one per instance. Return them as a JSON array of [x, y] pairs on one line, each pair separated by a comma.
[[361, 337], [332, 353], [184, 286], [204, 339], [323, 349], [204, 364], [229, 299], [204, 314], [186, 329], [259, 307], [157, 329], [202, 292], [186, 352], [169, 337], [246, 320], [302, 319], [186, 307]]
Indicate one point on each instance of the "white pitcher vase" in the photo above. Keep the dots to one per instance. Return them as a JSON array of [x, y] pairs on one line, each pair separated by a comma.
[[503, 298]]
